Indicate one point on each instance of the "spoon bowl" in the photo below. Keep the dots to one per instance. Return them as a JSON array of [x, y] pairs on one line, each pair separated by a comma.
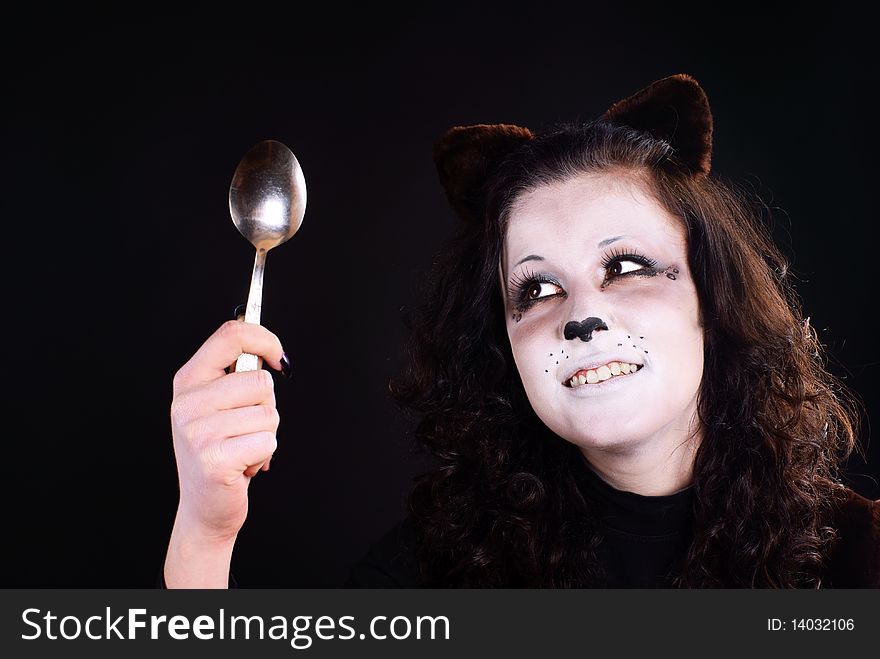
[[267, 196]]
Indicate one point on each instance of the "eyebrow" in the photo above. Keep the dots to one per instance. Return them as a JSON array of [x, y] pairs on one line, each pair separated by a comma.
[[530, 257], [535, 257], [608, 241]]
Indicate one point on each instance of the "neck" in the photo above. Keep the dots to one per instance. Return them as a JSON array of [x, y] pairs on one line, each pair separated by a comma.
[[649, 470]]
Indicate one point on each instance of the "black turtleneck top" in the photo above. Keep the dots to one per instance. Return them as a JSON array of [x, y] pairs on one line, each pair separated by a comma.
[[644, 538]]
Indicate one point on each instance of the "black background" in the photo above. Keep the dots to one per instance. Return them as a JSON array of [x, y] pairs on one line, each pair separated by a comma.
[[120, 136]]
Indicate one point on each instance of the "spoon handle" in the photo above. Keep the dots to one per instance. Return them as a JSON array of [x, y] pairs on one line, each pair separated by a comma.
[[248, 362]]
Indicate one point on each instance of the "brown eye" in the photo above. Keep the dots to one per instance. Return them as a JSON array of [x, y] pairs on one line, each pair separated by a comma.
[[540, 289], [615, 268]]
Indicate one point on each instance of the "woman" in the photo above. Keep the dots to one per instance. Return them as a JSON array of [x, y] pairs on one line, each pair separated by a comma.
[[610, 367]]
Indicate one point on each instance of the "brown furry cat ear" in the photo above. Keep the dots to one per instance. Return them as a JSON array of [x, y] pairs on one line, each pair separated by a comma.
[[674, 109], [464, 157]]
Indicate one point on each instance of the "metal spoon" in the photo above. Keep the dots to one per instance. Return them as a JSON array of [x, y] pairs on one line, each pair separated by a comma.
[[267, 201]]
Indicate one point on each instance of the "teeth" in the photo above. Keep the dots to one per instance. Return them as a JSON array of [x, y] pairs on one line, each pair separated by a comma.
[[603, 373]]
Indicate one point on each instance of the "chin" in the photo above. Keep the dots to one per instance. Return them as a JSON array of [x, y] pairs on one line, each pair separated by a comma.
[[604, 442], [584, 436]]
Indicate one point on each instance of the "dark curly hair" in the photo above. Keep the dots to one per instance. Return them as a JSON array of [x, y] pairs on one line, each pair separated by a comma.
[[502, 508]]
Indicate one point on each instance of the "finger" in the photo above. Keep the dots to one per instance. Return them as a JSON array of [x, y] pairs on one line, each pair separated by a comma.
[[229, 392], [238, 422], [264, 466], [254, 470], [239, 314], [231, 340], [248, 452]]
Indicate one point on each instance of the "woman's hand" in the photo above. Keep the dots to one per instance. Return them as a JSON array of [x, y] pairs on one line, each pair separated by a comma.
[[224, 429]]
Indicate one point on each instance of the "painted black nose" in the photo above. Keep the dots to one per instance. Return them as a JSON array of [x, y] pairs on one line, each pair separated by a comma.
[[584, 329]]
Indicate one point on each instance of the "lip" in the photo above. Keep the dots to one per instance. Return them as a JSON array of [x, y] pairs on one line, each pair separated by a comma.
[[596, 362]]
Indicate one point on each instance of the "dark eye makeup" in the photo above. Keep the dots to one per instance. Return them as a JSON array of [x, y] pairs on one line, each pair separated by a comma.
[[615, 258], [526, 288]]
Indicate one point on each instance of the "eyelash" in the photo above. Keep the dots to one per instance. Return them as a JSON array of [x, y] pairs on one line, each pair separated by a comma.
[[520, 284]]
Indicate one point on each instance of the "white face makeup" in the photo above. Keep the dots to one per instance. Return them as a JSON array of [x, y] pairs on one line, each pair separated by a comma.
[[578, 239]]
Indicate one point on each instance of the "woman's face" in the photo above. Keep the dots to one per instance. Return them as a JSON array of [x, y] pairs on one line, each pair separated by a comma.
[[598, 247]]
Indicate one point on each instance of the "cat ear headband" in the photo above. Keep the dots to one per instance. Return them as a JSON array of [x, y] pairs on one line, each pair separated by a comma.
[[674, 109]]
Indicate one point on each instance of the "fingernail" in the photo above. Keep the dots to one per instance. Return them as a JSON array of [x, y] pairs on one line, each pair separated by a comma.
[[239, 311], [285, 365]]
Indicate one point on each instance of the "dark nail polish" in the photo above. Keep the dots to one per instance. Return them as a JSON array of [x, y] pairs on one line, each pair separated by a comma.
[[285, 365], [239, 311]]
